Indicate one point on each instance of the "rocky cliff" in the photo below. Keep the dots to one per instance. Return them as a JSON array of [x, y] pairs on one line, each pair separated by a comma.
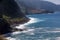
[[40, 4], [10, 8], [11, 15]]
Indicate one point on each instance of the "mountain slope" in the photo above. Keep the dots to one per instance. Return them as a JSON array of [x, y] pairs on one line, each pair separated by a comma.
[[37, 4], [11, 11]]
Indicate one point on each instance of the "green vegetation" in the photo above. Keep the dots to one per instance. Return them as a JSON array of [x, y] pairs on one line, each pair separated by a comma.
[[13, 20]]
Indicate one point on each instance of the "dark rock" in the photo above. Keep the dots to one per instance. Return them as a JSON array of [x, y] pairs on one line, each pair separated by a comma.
[[15, 29], [4, 26], [9, 8]]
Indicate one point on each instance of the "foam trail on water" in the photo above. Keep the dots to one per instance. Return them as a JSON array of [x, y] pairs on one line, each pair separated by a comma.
[[24, 26], [9, 38], [32, 20], [27, 30]]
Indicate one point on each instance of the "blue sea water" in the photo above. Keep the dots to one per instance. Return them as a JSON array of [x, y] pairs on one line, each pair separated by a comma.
[[40, 27], [50, 20]]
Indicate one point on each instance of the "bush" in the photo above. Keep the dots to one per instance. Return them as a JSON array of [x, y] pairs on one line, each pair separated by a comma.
[[13, 20]]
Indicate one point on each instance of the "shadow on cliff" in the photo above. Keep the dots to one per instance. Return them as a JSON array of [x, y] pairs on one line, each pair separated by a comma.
[[10, 13], [13, 12]]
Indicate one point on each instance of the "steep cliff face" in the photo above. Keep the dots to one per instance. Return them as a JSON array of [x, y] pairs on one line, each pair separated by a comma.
[[10, 9], [40, 4], [4, 26]]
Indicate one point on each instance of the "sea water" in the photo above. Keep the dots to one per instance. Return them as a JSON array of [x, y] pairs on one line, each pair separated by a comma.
[[40, 27]]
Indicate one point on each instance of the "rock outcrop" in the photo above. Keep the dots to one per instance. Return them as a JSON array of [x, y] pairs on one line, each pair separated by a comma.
[[9, 8], [4, 26]]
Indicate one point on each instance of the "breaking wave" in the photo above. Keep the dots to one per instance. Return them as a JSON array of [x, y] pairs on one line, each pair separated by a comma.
[[39, 33]]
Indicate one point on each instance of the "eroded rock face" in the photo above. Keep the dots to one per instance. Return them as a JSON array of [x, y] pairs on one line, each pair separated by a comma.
[[4, 26], [9, 8]]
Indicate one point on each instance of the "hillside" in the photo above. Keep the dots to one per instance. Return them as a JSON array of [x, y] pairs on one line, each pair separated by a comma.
[[39, 4], [10, 16], [11, 11]]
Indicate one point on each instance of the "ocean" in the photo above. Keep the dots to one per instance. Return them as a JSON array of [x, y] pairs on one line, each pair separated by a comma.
[[40, 27]]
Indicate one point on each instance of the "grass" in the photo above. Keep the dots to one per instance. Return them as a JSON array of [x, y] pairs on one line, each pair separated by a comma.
[[13, 20]]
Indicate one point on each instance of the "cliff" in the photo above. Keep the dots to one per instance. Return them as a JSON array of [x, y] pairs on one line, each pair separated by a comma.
[[11, 11], [40, 4], [11, 15]]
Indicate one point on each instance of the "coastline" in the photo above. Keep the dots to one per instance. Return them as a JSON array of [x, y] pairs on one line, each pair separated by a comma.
[[14, 29]]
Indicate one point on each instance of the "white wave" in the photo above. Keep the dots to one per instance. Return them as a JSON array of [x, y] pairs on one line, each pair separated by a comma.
[[45, 39], [54, 38], [9, 38], [21, 27], [32, 20], [47, 30], [55, 30], [25, 28], [28, 32], [43, 30]]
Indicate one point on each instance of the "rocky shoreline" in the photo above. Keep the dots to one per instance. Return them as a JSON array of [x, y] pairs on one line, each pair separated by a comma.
[[7, 28], [10, 15]]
